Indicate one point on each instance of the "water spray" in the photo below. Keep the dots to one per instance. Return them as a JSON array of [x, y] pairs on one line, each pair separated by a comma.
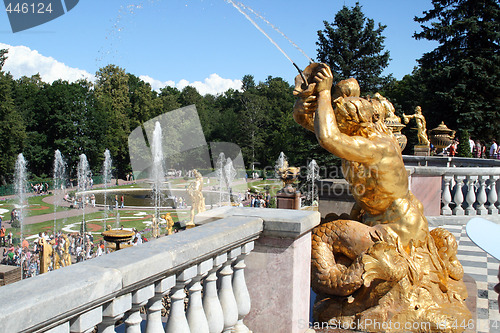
[[237, 6]]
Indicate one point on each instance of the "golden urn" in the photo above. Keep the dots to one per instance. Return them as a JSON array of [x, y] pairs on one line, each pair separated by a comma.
[[441, 136]]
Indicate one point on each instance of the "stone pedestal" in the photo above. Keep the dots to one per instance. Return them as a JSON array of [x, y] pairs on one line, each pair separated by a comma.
[[287, 200], [419, 150]]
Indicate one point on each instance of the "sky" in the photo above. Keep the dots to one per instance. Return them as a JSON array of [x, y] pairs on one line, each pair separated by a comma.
[[204, 43]]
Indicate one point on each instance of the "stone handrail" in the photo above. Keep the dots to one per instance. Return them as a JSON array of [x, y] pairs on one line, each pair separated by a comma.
[[467, 190], [101, 291], [446, 161]]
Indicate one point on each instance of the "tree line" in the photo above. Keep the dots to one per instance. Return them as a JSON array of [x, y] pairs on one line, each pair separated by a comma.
[[457, 83]]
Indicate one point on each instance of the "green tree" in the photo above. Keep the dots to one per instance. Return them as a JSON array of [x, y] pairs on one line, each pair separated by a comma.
[[113, 102], [12, 129], [464, 148], [353, 47], [461, 75]]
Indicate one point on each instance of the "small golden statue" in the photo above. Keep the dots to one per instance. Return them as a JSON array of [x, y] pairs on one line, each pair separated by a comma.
[[197, 199], [382, 270], [170, 223], [421, 126], [45, 255], [155, 228], [66, 257]]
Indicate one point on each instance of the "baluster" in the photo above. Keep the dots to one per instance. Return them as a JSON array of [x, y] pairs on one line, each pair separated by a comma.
[[446, 198], [240, 288], [155, 305], [481, 196], [177, 321], [86, 322], [493, 196], [113, 311], [211, 303], [498, 195], [226, 294], [196, 317], [458, 199], [471, 195], [139, 299]]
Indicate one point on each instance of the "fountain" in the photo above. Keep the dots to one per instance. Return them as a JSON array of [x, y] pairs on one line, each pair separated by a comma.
[[106, 178], [221, 177], [312, 177], [20, 182], [230, 174], [84, 175], [59, 182], [157, 176], [288, 197]]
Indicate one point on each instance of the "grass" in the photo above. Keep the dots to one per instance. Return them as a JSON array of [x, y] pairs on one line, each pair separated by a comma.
[[94, 222], [36, 206]]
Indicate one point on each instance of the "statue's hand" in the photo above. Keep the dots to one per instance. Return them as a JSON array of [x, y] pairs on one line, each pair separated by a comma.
[[307, 105], [324, 79]]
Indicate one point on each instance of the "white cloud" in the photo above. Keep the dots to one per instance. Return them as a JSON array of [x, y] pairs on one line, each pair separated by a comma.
[[214, 84], [22, 61]]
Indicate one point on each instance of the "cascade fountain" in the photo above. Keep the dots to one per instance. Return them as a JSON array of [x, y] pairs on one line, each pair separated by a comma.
[[20, 182], [59, 182]]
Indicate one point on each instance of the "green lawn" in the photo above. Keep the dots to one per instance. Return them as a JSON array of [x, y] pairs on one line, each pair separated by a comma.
[[95, 223], [36, 206]]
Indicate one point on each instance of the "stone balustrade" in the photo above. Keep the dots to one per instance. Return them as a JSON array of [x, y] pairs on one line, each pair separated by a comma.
[[447, 162], [465, 191], [215, 262]]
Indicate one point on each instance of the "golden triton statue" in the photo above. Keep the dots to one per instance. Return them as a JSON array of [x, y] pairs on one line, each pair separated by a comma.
[[382, 269], [197, 200], [421, 126]]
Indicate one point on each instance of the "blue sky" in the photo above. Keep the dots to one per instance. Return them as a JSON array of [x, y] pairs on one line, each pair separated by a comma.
[[205, 43]]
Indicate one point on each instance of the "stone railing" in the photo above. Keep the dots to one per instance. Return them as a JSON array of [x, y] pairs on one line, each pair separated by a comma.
[[446, 162], [128, 287], [464, 191]]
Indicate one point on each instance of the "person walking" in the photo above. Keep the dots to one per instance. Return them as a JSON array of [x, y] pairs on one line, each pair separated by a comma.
[[493, 149]]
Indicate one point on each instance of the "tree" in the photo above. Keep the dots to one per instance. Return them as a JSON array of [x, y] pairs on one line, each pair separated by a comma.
[[461, 75], [12, 129], [113, 101], [353, 47]]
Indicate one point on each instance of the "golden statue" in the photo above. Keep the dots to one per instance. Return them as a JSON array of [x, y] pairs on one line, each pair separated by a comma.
[[155, 232], [56, 258], [66, 257], [45, 255], [197, 199], [421, 126], [170, 223], [382, 269]]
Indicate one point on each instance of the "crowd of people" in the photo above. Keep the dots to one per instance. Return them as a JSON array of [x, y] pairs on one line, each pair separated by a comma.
[[478, 149]]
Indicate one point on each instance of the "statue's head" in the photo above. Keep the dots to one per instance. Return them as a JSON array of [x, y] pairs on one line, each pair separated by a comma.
[[353, 114], [418, 110]]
